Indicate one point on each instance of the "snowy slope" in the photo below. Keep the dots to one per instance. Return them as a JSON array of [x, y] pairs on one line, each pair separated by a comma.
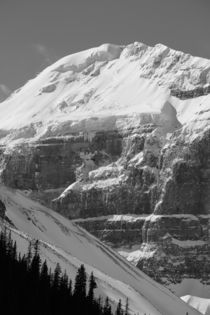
[[63, 242], [111, 82], [201, 304]]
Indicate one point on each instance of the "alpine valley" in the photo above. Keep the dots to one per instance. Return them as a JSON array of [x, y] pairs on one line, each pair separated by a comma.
[[117, 140]]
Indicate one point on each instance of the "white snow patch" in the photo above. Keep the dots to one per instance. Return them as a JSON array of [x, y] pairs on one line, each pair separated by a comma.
[[156, 217], [201, 304], [136, 255], [188, 243], [127, 217]]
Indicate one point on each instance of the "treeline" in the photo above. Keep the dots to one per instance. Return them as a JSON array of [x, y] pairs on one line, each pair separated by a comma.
[[27, 286]]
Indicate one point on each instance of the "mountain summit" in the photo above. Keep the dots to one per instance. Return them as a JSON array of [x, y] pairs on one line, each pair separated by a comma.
[[81, 90]]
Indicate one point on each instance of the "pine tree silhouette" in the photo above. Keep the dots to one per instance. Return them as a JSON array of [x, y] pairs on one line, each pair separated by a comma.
[[70, 287], [92, 287], [29, 254], [126, 307], [56, 277], [119, 308], [80, 283], [107, 310]]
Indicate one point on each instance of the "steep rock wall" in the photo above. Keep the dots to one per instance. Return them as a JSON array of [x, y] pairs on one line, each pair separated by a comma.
[[118, 231], [118, 187], [179, 229], [51, 163]]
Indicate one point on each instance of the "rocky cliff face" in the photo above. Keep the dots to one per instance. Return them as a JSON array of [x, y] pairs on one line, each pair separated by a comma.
[[118, 231], [117, 138], [179, 228], [174, 239]]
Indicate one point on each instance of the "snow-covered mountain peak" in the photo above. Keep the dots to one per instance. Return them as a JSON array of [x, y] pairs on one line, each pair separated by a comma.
[[79, 61], [107, 81]]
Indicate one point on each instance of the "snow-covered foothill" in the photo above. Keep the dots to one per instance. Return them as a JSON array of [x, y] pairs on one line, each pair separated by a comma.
[[63, 242]]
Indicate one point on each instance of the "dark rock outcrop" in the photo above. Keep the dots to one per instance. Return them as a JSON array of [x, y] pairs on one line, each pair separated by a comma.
[[187, 94]]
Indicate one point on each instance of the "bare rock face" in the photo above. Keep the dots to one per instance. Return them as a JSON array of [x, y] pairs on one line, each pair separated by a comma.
[[46, 167], [117, 187], [180, 244], [187, 94], [174, 238], [118, 231], [178, 230]]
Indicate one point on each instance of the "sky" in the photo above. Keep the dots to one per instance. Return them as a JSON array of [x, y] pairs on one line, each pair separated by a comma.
[[35, 33]]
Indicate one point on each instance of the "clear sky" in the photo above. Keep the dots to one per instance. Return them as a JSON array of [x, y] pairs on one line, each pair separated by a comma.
[[34, 33]]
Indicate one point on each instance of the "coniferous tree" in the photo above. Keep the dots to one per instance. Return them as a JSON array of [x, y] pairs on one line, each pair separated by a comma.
[[107, 310], [100, 306], [56, 277], [55, 291], [29, 254], [119, 308], [64, 282], [70, 287], [35, 267], [36, 247], [44, 276], [126, 307], [92, 287], [80, 283], [14, 251], [44, 287], [64, 288]]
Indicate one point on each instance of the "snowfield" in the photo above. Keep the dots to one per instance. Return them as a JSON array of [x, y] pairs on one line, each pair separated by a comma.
[[62, 241]]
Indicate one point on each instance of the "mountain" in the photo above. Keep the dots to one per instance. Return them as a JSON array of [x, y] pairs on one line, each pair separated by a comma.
[[117, 138], [63, 242]]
